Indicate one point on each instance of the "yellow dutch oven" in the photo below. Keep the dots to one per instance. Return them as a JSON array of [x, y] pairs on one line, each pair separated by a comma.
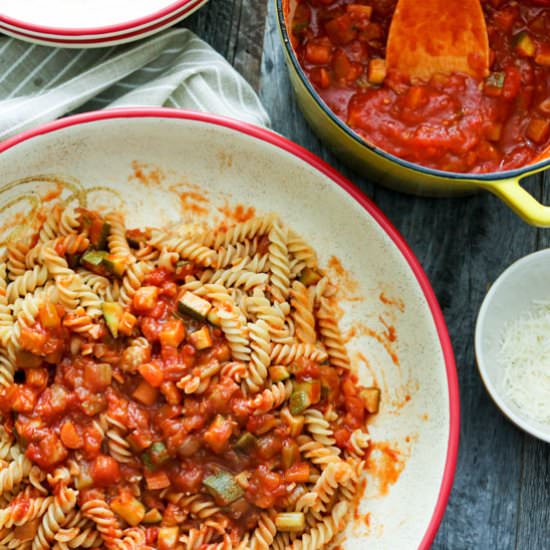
[[391, 171]]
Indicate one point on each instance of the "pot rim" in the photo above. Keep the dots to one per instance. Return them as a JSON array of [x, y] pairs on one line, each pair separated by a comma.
[[487, 178]]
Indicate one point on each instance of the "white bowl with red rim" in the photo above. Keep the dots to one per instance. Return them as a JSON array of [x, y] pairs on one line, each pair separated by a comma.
[[73, 23], [230, 163]]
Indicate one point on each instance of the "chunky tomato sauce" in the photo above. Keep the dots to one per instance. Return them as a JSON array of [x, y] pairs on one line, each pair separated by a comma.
[[452, 122], [72, 391]]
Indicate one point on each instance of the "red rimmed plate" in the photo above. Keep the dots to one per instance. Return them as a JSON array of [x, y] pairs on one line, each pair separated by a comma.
[[235, 163]]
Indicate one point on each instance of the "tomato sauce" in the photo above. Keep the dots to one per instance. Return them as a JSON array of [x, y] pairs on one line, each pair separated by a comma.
[[453, 122]]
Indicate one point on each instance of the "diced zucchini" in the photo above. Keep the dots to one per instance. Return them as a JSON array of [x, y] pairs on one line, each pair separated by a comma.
[[304, 395], [299, 402], [73, 260], [223, 488], [294, 423], [167, 538], [152, 516], [99, 234], [278, 373], [201, 338], [246, 442], [494, 84], [290, 521], [194, 306], [524, 44], [158, 453], [371, 399], [310, 276], [115, 264], [112, 313], [93, 260], [131, 510]]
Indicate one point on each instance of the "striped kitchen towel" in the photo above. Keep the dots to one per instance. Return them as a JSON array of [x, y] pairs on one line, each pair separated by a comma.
[[173, 69]]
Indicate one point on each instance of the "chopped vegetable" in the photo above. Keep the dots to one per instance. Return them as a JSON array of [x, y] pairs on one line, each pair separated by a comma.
[[145, 299], [494, 84], [295, 423], [524, 44], [152, 516], [304, 395], [99, 231], [298, 473], [93, 260], [115, 264], [158, 453], [152, 373], [130, 510], [127, 324], [98, 376], [157, 480], [377, 71], [70, 436], [194, 306], [278, 373], [371, 399], [201, 338], [246, 442], [172, 333], [145, 393], [290, 453], [538, 130], [218, 434], [140, 440], [290, 522], [112, 313], [105, 470], [223, 488], [167, 538], [49, 317], [310, 276]]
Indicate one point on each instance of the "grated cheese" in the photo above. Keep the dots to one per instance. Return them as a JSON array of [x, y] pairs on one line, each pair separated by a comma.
[[525, 356]]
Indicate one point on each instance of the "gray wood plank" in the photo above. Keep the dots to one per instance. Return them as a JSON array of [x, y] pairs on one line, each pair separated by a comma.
[[235, 29]]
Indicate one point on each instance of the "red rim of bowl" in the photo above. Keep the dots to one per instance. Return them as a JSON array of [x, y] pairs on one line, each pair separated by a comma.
[[281, 142], [118, 28], [76, 41]]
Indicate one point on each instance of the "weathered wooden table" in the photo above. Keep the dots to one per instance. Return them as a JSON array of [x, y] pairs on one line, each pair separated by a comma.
[[501, 495]]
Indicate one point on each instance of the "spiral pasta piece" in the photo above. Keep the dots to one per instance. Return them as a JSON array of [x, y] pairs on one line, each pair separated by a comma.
[[118, 244], [68, 222], [331, 336], [302, 254], [264, 533], [359, 442], [233, 253], [17, 252], [320, 535], [27, 282], [21, 511], [304, 321], [50, 227], [68, 294], [237, 334], [6, 317], [259, 358], [107, 524], [246, 280], [271, 398], [188, 249], [56, 264], [278, 262], [199, 506], [319, 427], [285, 354], [240, 232], [132, 281], [63, 502], [16, 471]]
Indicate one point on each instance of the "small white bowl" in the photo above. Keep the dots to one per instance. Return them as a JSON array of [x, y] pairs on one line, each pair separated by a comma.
[[511, 296]]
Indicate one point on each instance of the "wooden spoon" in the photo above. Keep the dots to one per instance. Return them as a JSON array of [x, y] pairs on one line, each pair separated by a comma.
[[438, 36]]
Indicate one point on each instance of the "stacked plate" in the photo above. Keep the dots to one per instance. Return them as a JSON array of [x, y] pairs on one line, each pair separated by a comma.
[[90, 23]]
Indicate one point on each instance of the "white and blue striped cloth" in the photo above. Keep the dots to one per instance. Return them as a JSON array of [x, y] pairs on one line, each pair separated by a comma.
[[173, 69]]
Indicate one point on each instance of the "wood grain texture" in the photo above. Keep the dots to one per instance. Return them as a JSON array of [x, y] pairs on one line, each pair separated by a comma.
[[501, 495]]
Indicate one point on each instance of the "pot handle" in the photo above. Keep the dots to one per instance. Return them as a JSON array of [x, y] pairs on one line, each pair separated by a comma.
[[521, 201]]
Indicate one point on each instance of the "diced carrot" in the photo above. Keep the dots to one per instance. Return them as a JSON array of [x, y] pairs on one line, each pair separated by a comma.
[[538, 130], [105, 470], [172, 333], [70, 436], [127, 323], [145, 299], [156, 480], [320, 77], [298, 473], [493, 132], [48, 316], [341, 30], [145, 393], [152, 373], [318, 53]]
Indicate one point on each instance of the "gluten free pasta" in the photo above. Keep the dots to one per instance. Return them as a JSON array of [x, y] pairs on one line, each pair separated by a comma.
[[173, 389]]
